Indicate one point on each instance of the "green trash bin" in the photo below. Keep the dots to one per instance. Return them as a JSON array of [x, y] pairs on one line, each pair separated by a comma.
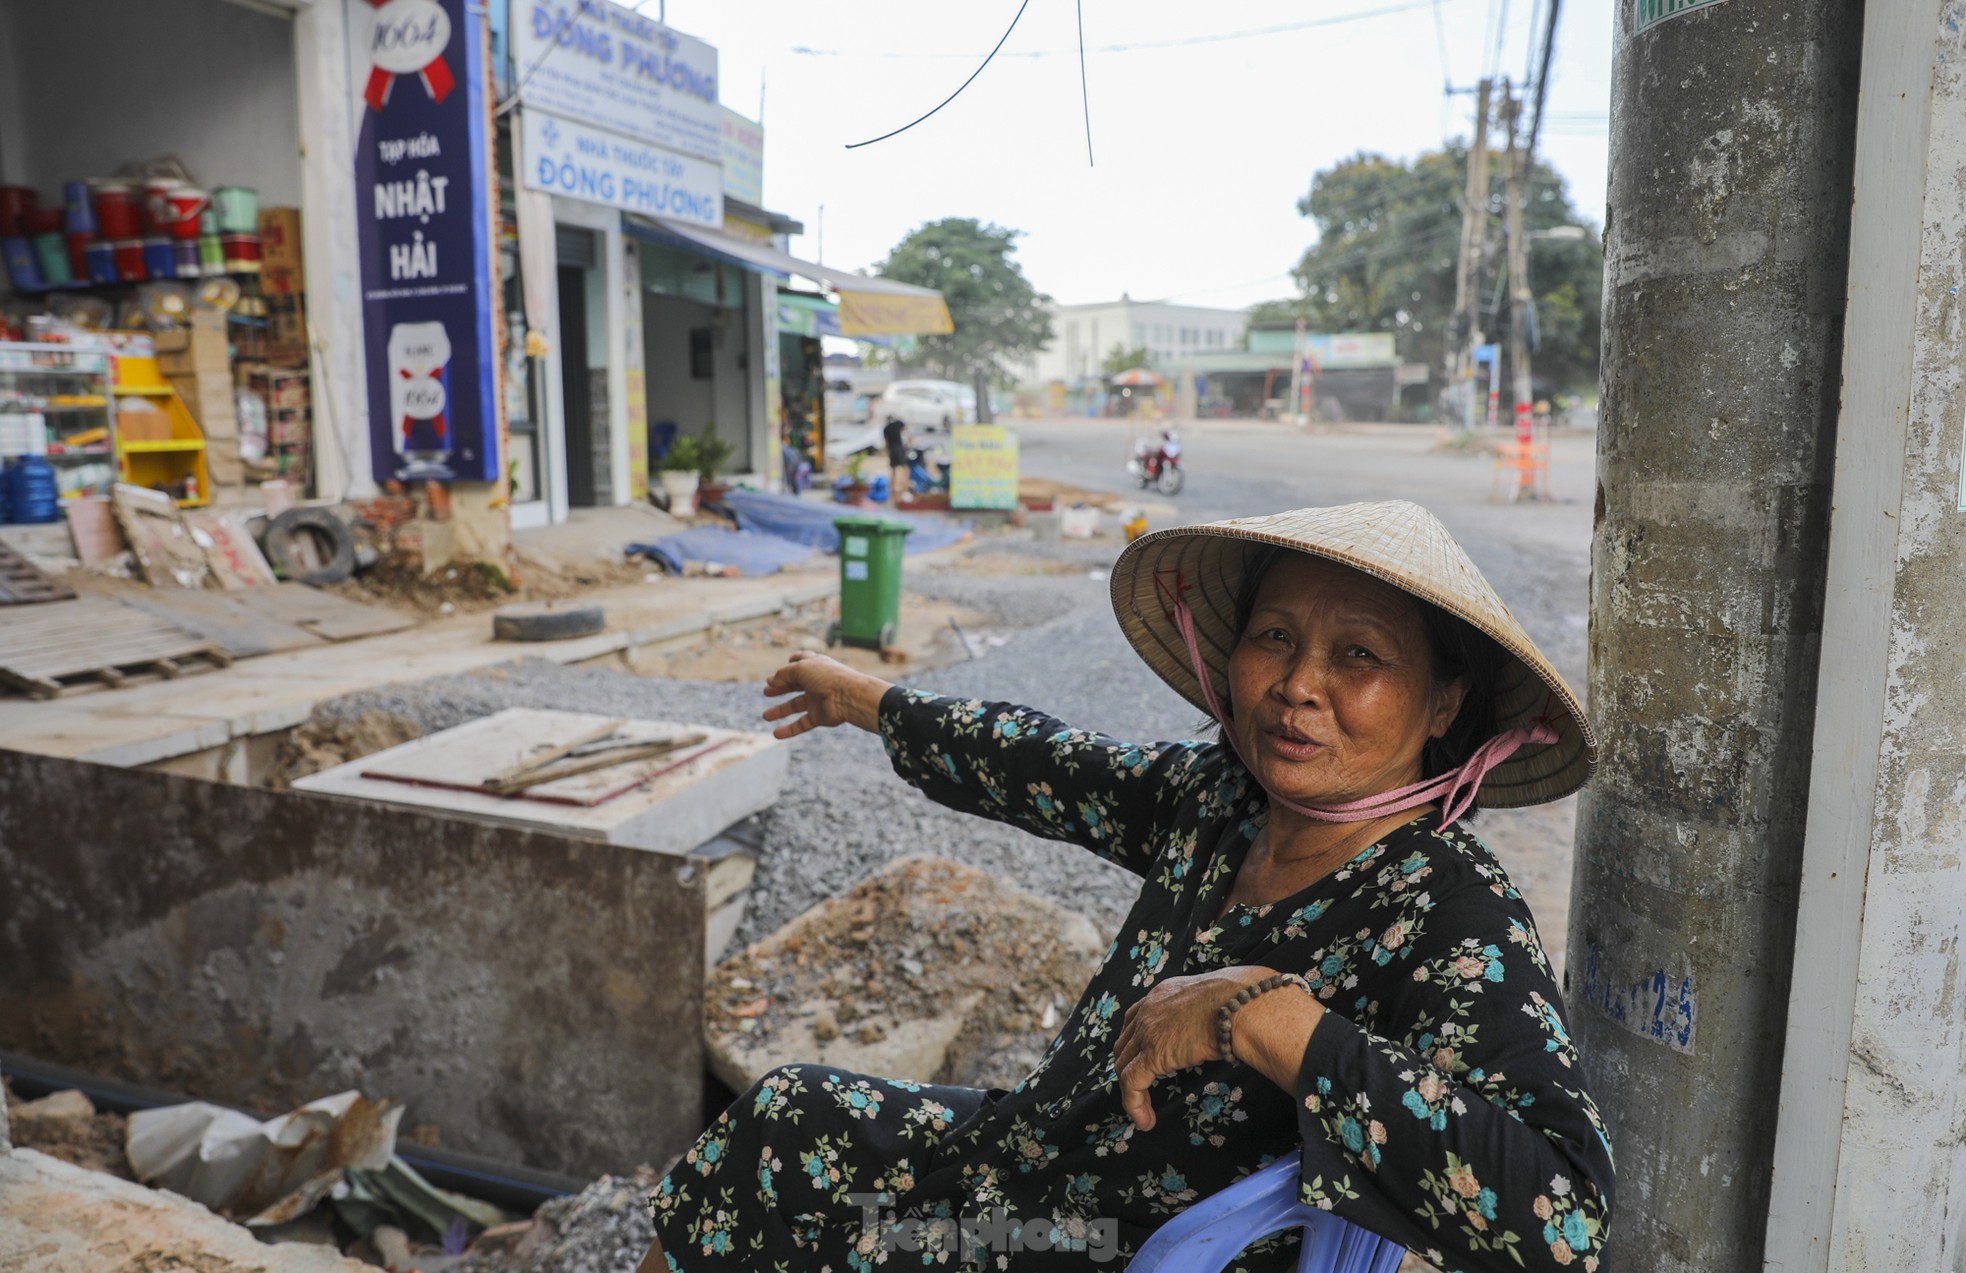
[[870, 580]]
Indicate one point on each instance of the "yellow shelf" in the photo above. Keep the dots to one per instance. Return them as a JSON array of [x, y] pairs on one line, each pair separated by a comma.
[[168, 444], [144, 391]]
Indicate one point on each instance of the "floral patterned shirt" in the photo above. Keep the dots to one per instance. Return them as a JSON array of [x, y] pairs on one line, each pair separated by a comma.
[[1440, 1102]]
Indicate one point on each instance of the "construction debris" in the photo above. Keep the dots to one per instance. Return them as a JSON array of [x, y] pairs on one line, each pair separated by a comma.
[[66, 1125], [931, 970], [262, 1172], [602, 1229]]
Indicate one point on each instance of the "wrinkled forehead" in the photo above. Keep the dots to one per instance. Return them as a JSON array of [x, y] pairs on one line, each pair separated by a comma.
[[1300, 583]]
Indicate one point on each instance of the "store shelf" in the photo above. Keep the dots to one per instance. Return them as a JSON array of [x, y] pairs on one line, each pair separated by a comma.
[[167, 444], [44, 405], [144, 391], [92, 453]]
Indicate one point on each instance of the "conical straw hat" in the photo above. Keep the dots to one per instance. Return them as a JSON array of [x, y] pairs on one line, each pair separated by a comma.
[[1396, 541]]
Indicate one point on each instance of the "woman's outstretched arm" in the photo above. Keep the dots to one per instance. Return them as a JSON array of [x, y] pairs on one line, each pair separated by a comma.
[[1002, 761]]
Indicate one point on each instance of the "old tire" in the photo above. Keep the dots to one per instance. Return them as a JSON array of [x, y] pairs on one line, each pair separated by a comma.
[[546, 621], [332, 538]]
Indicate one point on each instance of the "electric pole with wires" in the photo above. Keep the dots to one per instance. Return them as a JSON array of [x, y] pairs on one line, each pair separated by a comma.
[[1466, 331], [1531, 458]]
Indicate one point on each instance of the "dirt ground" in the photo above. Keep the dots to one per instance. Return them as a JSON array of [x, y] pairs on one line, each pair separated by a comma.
[[92, 1140], [752, 651], [399, 583], [321, 743]]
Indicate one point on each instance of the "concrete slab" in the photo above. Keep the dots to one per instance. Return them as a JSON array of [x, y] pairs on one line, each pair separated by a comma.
[[55, 1218], [728, 777]]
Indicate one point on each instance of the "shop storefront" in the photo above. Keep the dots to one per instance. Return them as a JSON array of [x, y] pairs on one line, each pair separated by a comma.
[[614, 112], [172, 218]]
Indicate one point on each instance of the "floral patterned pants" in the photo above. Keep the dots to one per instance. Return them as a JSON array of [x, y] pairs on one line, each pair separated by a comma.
[[791, 1175]]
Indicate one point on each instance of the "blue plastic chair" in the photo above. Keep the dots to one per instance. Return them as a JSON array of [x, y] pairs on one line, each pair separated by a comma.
[[1213, 1232]]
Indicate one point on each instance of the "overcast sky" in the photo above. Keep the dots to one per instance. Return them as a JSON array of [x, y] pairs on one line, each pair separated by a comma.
[[1204, 137]]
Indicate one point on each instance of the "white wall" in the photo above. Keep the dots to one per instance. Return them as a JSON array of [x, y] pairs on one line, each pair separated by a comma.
[[99, 83], [1083, 335]]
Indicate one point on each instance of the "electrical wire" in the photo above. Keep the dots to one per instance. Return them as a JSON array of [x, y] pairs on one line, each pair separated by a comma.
[[512, 98], [1501, 31], [1535, 26], [1543, 76], [1336, 19], [1440, 38], [1085, 94], [855, 145]]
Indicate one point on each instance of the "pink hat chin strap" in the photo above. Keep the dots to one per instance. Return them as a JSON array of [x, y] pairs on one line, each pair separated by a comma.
[[1455, 789]]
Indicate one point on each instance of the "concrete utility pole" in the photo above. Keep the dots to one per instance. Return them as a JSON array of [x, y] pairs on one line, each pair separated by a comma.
[[1732, 143], [1519, 300], [1867, 1154], [1474, 235]]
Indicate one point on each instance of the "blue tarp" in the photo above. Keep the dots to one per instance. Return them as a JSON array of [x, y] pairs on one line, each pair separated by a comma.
[[750, 554], [809, 522]]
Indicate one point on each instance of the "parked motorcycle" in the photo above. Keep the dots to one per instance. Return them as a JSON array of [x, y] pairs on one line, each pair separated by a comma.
[[1157, 463], [918, 473]]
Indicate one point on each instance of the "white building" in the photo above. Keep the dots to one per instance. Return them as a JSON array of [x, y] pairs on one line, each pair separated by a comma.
[[1083, 336]]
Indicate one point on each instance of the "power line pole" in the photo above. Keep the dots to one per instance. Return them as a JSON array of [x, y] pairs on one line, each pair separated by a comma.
[[1474, 235], [1519, 299], [1709, 559]]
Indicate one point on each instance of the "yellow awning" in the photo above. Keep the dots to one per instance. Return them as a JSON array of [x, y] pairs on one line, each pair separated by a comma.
[[884, 313]]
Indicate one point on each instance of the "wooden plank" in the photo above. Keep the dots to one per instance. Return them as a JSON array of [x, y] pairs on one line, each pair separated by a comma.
[[328, 616], [34, 686], [22, 583], [235, 559], [590, 764], [222, 619], [165, 551], [534, 763], [81, 638], [93, 527]]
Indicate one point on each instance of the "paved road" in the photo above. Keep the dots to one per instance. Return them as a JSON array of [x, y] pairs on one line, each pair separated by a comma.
[[1536, 555]]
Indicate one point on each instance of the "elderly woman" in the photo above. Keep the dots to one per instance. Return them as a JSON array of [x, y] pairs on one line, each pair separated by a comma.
[[1322, 958]]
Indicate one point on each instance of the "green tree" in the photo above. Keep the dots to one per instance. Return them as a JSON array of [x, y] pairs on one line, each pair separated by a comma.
[[1120, 358], [1388, 234], [998, 316]]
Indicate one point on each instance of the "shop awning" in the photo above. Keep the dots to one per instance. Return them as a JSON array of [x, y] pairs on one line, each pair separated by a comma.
[[868, 306]]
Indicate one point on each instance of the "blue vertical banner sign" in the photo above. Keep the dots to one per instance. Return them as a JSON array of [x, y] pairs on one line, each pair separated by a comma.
[[421, 221]]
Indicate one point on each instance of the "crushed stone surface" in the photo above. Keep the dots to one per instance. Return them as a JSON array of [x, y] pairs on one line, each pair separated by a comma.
[[903, 947], [602, 1229]]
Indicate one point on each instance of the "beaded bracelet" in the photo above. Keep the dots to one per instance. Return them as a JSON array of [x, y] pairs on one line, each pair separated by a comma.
[[1224, 1031]]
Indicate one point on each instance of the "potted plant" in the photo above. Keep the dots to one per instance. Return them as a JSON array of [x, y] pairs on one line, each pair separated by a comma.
[[852, 489], [712, 453], [679, 474]]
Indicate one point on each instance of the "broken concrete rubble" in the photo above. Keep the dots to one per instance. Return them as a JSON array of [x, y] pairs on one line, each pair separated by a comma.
[[67, 1126], [931, 970], [602, 1229], [59, 1218]]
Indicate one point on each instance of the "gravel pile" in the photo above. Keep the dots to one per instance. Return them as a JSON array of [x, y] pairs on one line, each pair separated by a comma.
[[844, 814], [604, 1228]]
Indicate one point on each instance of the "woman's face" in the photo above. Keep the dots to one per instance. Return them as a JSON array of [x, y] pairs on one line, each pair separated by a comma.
[[1330, 684]]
